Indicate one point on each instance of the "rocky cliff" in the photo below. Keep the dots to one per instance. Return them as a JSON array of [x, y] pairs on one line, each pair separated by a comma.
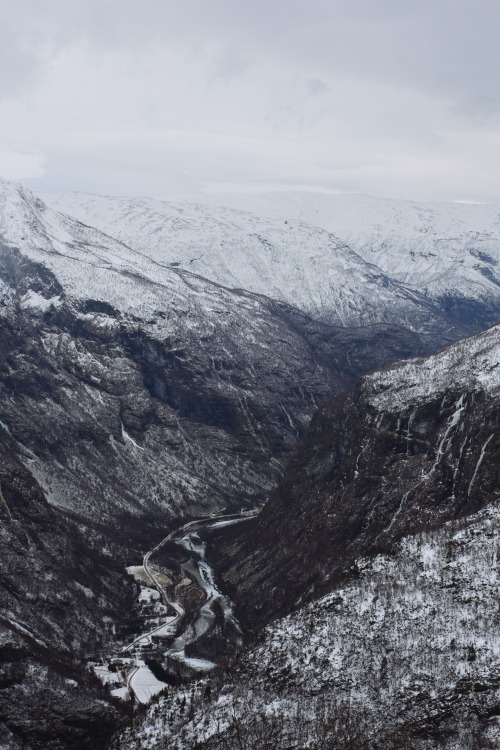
[[411, 447], [382, 543], [61, 603]]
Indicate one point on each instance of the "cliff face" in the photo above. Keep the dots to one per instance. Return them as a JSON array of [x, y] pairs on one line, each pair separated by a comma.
[[134, 394], [409, 448], [61, 602], [118, 420], [403, 656]]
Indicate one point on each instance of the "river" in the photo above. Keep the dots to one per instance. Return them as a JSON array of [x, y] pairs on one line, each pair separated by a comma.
[[179, 630]]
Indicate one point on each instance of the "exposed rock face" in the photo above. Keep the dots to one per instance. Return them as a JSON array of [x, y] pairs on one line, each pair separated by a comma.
[[133, 394], [383, 540], [409, 448], [60, 604], [403, 656]]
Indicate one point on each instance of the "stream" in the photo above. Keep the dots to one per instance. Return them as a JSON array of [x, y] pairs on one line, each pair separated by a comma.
[[179, 630]]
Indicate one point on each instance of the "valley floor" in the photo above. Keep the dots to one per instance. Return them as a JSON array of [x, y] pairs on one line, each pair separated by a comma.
[[180, 607]]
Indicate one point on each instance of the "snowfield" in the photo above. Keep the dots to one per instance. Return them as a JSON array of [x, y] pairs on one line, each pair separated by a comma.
[[144, 684], [292, 261], [438, 249]]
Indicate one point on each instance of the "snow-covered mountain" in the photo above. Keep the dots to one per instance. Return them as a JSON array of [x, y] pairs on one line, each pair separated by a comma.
[[287, 260], [440, 248], [136, 394], [447, 251], [159, 357], [360, 216], [406, 656], [132, 395], [146, 356]]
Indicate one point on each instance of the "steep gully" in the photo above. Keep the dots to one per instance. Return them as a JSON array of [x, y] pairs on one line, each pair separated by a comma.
[[180, 628]]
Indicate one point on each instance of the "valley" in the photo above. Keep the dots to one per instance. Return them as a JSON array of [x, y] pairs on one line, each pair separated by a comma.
[[182, 621], [266, 451]]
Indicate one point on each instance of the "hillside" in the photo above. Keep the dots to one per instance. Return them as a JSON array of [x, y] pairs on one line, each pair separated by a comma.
[[137, 395], [448, 251], [414, 242], [404, 656], [134, 396], [291, 261], [62, 601], [410, 447], [144, 391]]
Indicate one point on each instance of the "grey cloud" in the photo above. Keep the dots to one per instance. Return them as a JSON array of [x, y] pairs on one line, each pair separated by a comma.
[[386, 84], [230, 63], [315, 86], [448, 47], [19, 61]]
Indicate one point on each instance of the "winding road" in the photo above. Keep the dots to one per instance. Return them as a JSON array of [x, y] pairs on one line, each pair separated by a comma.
[[199, 571]]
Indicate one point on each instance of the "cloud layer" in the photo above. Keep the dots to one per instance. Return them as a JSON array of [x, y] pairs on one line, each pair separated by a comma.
[[158, 97]]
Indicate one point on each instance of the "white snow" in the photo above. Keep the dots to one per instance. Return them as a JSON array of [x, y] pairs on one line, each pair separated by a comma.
[[148, 595], [5, 427], [137, 571], [404, 629], [126, 436], [23, 630], [37, 302], [435, 247], [471, 364], [478, 465], [106, 676], [144, 684], [200, 665], [122, 693], [296, 262]]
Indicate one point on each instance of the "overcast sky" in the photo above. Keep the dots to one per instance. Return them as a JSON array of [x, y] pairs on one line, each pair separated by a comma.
[[388, 97]]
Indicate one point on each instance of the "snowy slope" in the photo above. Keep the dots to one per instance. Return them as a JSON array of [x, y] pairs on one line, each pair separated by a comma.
[[289, 261], [410, 447], [471, 365], [141, 356], [439, 248], [131, 395], [361, 215]]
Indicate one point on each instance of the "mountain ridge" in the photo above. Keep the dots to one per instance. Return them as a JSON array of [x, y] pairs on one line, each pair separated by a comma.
[[137, 395], [324, 275]]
